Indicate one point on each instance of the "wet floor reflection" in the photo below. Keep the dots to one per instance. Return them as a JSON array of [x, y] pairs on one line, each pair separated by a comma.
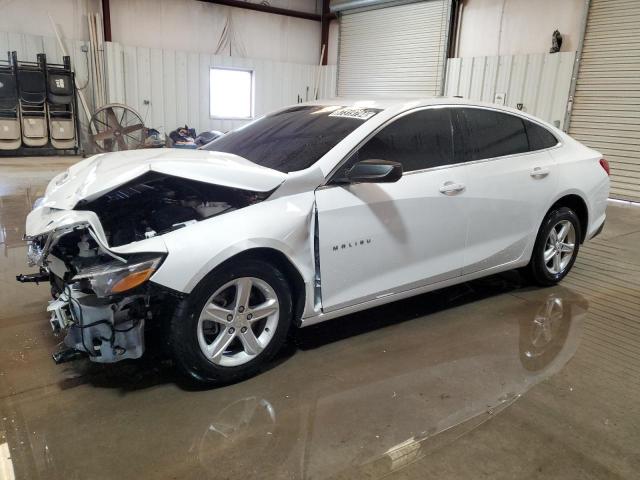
[[346, 407], [356, 397], [390, 412]]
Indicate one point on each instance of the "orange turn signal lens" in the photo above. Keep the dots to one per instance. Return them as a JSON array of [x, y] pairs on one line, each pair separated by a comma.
[[132, 280]]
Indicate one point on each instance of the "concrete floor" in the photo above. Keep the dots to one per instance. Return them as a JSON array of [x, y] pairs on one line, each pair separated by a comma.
[[491, 379]]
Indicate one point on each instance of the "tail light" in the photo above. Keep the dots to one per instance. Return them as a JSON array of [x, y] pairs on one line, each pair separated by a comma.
[[604, 164]]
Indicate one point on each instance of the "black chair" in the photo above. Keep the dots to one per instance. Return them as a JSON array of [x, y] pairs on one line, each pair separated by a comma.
[[32, 100], [61, 105], [10, 135]]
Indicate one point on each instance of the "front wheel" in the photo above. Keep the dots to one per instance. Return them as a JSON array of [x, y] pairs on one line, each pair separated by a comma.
[[556, 247], [232, 324]]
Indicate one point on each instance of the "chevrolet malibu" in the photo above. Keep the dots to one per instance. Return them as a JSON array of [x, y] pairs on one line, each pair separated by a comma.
[[306, 214]]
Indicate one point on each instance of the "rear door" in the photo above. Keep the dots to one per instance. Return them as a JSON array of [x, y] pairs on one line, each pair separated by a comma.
[[377, 239], [510, 183]]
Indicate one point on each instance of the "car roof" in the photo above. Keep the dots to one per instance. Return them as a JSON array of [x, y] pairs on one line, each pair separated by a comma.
[[406, 103], [397, 105]]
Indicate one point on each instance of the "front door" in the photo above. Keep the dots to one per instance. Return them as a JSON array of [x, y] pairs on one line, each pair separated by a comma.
[[377, 239]]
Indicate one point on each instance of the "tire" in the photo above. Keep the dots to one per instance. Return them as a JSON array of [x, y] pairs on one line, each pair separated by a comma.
[[547, 273], [191, 326]]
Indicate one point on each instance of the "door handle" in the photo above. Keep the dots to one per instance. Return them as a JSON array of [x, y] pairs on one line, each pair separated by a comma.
[[451, 188], [540, 172]]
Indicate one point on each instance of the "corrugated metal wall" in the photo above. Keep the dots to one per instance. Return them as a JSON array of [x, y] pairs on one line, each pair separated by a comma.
[[398, 50], [540, 82], [606, 104], [176, 84]]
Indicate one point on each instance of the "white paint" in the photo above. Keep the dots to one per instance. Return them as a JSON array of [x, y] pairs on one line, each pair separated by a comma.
[[512, 27], [397, 249], [96, 175], [540, 82], [285, 221]]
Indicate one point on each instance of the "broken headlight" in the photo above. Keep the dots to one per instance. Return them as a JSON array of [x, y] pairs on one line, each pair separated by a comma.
[[117, 277], [39, 201]]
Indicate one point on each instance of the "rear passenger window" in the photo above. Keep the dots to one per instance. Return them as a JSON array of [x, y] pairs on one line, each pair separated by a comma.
[[489, 134], [419, 140], [539, 137]]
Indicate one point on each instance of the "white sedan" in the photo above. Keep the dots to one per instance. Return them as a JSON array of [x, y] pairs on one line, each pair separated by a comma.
[[306, 214]]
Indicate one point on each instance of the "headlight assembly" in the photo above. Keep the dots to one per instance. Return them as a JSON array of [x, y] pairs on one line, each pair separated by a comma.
[[117, 277], [39, 201]]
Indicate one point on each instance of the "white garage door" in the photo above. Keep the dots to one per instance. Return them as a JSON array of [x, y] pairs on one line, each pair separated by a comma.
[[397, 50], [606, 108]]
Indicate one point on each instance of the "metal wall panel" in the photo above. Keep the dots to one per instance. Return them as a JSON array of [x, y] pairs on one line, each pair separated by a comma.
[[540, 82], [606, 106], [398, 50], [170, 88]]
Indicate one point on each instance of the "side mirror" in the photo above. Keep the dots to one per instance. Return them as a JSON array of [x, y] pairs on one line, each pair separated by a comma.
[[375, 171]]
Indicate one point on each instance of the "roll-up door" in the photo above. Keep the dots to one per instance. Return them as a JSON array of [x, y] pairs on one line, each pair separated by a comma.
[[606, 107], [393, 50]]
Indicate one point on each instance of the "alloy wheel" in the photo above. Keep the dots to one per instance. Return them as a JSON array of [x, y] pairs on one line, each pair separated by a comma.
[[238, 321], [559, 247]]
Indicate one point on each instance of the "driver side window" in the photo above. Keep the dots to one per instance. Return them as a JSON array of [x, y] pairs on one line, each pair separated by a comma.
[[419, 140]]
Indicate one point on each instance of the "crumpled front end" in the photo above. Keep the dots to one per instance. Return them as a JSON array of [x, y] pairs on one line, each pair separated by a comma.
[[101, 300], [100, 251]]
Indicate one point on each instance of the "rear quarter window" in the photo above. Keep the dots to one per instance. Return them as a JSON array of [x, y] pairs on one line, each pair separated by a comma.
[[539, 137]]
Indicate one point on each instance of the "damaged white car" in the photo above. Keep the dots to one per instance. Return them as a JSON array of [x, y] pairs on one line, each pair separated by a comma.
[[303, 215]]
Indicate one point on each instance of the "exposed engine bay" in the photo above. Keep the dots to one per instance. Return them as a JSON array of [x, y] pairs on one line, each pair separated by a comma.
[[154, 203], [103, 300]]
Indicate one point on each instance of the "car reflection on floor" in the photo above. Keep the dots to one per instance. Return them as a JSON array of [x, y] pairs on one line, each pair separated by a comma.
[[435, 402]]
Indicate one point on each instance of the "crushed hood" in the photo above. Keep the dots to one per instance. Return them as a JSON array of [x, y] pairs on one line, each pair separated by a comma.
[[99, 174]]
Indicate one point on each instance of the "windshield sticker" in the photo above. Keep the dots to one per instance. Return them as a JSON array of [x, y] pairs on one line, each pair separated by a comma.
[[357, 113]]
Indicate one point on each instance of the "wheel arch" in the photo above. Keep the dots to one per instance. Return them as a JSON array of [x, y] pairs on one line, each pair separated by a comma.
[[576, 203], [285, 265]]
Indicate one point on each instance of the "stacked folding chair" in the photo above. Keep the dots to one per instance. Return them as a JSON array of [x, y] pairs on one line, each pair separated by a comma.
[[61, 105], [10, 138], [32, 100]]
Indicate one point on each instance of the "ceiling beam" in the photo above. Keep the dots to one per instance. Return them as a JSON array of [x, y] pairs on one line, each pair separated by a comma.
[[258, 7]]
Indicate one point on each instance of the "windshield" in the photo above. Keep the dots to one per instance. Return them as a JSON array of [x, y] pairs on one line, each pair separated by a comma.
[[292, 139]]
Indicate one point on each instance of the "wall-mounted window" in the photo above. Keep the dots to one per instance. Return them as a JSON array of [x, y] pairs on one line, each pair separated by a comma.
[[231, 93]]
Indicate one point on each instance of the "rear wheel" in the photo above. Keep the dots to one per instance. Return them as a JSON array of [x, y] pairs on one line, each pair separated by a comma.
[[556, 247], [232, 324]]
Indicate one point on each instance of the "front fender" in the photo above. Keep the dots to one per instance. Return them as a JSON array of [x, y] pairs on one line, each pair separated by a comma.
[[283, 224]]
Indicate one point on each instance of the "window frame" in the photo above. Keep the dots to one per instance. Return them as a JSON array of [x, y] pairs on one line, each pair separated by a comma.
[[249, 70], [396, 119], [333, 174]]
